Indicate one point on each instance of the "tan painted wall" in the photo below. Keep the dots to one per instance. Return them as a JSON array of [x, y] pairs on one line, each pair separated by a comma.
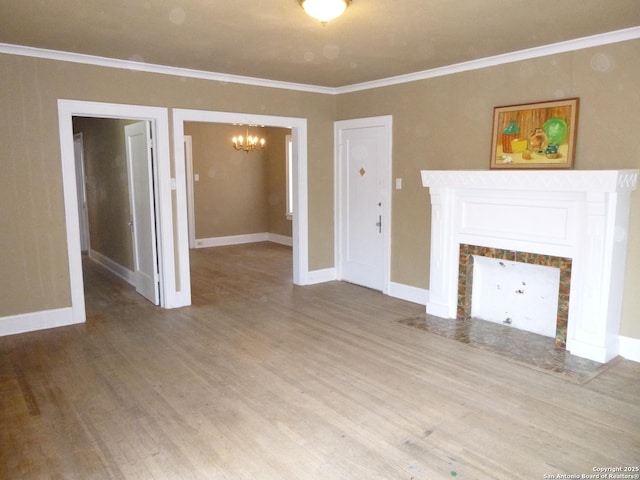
[[230, 196], [107, 187], [238, 193], [438, 123], [445, 123], [33, 255]]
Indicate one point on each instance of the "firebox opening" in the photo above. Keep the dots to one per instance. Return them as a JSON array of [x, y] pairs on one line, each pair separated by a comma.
[[522, 295], [503, 259]]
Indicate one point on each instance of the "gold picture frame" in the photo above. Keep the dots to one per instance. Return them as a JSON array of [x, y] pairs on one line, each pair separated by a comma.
[[535, 135]]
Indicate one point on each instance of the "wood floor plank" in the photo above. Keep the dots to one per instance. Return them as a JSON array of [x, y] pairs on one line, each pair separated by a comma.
[[261, 379]]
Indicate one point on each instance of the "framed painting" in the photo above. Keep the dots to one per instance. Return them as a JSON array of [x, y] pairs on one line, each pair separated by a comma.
[[535, 135]]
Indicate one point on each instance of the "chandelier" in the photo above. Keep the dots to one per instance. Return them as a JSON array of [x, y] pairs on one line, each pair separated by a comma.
[[247, 143], [324, 10]]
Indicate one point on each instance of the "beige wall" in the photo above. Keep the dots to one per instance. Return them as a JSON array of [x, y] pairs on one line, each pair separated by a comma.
[[230, 196], [237, 193], [445, 123], [107, 187], [438, 123], [33, 255]]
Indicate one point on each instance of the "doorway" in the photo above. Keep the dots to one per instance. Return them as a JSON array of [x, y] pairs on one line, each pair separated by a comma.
[[116, 199], [363, 198], [159, 123], [298, 128]]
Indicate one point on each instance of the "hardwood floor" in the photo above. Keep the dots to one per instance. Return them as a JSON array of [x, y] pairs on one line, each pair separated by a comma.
[[261, 379]]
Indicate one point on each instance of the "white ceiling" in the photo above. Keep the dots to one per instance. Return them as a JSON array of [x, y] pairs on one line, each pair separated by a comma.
[[276, 40]]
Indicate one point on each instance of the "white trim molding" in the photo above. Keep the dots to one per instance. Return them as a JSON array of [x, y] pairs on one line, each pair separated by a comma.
[[114, 267], [281, 239], [409, 293], [231, 240], [321, 276], [29, 322], [153, 68], [537, 52], [551, 49], [242, 239], [630, 348]]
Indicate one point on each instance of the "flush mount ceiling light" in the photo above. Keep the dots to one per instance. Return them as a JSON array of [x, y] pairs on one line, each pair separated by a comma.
[[324, 10]]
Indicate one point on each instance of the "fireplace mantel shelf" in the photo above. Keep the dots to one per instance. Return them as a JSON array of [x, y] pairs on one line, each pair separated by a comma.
[[540, 180], [582, 215]]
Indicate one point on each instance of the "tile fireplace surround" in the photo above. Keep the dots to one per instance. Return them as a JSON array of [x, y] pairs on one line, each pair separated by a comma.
[[581, 215]]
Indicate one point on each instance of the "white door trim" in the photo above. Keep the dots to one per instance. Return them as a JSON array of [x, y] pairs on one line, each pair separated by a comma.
[[188, 154], [159, 119], [298, 128], [386, 122]]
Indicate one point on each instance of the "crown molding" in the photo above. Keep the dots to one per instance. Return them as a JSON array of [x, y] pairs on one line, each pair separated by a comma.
[[161, 69], [551, 49]]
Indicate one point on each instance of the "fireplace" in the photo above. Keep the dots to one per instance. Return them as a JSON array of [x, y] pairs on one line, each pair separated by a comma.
[[575, 219]]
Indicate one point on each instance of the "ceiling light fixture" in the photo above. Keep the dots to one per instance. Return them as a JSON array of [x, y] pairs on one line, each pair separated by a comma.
[[324, 10], [248, 143]]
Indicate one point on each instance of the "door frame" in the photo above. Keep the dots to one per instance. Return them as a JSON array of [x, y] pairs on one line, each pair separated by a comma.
[[188, 155], [386, 122], [298, 128], [67, 109]]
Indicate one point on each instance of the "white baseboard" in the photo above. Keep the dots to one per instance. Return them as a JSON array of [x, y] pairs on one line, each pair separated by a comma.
[[240, 239], [597, 353], [396, 290], [438, 310], [281, 239], [321, 276], [29, 322], [409, 293], [231, 240], [114, 267], [630, 348]]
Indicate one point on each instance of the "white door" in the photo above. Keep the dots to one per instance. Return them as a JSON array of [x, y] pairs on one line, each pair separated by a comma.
[[83, 216], [143, 225], [364, 178]]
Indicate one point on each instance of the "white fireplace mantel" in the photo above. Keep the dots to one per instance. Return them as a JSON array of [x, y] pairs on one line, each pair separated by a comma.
[[578, 214]]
